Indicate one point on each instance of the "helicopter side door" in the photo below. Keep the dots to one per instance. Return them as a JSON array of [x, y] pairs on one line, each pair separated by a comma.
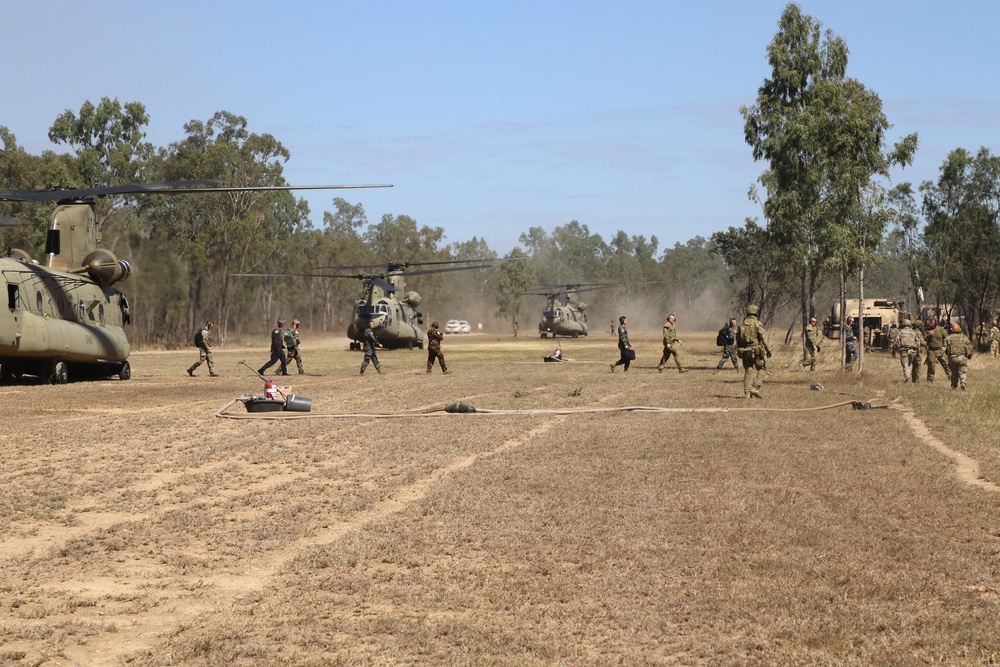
[[10, 318]]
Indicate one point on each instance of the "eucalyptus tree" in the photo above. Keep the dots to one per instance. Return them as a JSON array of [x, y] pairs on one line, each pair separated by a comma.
[[758, 270], [823, 136], [108, 142], [962, 236], [515, 274], [219, 235]]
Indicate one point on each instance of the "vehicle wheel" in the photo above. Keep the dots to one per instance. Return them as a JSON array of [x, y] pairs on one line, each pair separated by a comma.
[[126, 372], [409, 346], [60, 373]]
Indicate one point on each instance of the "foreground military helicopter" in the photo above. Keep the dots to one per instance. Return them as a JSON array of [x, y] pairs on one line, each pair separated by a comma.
[[385, 301], [563, 314], [63, 318]]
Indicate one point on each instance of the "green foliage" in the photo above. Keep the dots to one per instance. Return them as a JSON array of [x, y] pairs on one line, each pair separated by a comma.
[[516, 274]]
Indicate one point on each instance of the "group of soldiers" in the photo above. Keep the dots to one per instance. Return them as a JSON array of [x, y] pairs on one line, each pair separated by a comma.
[[745, 342], [943, 344], [285, 349]]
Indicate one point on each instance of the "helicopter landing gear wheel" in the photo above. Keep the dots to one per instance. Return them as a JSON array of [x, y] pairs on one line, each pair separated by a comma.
[[59, 374], [544, 335], [6, 377], [125, 372], [409, 346]]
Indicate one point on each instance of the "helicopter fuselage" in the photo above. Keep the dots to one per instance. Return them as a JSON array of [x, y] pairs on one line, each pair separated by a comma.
[[56, 324], [562, 320], [395, 319]]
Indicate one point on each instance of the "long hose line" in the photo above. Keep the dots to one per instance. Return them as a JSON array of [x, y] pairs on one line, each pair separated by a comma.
[[442, 412]]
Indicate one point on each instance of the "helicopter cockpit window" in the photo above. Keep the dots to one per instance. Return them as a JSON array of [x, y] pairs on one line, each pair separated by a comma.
[[38, 302], [83, 310], [100, 312], [13, 297]]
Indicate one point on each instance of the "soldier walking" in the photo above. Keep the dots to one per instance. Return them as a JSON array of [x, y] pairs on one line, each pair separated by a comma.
[[909, 351], [434, 337], [624, 347], [850, 343], [936, 337], [811, 335], [727, 338], [292, 345], [995, 338], [671, 343], [203, 341], [958, 347], [277, 350], [369, 343], [751, 345]]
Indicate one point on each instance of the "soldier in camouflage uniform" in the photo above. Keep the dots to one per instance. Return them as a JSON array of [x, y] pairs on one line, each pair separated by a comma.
[[995, 338], [671, 343], [850, 338], [909, 351], [369, 342], [958, 347], [936, 336], [434, 337], [751, 346], [292, 345], [894, 339], [811, 335], [728, 335], [205, 350]]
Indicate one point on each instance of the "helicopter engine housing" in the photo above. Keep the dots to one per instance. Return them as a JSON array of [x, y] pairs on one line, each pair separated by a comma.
[[105, 269], [412, 299]]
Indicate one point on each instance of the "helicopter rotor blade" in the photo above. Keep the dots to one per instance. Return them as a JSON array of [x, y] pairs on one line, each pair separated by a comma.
[[165, 188]]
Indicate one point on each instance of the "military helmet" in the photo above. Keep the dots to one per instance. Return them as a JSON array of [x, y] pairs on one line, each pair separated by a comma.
[[752, 310], [907, 323], [281, 322]]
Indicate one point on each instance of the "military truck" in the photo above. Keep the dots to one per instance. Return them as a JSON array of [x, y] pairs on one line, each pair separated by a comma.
[[879, 316]]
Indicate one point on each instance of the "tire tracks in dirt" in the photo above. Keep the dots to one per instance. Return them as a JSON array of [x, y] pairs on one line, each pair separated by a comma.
[[215, 594], [966, 468]]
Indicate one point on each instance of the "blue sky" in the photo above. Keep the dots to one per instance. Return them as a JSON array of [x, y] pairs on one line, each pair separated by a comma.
[[491, 118]]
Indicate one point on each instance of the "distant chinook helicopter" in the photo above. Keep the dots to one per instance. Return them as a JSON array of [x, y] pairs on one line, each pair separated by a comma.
[[63, 318], [396, 317], [563, 315]]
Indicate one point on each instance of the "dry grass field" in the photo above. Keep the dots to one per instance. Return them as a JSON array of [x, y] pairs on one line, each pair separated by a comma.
[[138, 528]]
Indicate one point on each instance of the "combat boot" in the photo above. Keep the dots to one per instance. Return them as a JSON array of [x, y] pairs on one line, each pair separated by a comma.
[[683, 370], [756, 394], [191, 371]]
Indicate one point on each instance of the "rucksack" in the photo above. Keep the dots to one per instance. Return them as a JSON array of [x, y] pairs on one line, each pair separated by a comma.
[[199, 339], [746, 334], [723, 339], [290, 338]]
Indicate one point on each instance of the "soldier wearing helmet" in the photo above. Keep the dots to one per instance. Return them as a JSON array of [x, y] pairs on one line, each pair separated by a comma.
[[277, 350], [995, 338], [751, 346], [958, 348], [292, 345]]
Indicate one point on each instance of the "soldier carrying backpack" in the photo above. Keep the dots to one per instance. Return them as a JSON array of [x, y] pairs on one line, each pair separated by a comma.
[[203, 341], [751, 346]]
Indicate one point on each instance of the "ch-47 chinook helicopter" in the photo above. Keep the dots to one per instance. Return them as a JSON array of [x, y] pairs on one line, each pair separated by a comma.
[[63, 319], [385, 301], [563, 314]]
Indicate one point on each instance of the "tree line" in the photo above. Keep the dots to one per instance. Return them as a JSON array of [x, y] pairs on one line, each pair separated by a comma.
[[831, 223]]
